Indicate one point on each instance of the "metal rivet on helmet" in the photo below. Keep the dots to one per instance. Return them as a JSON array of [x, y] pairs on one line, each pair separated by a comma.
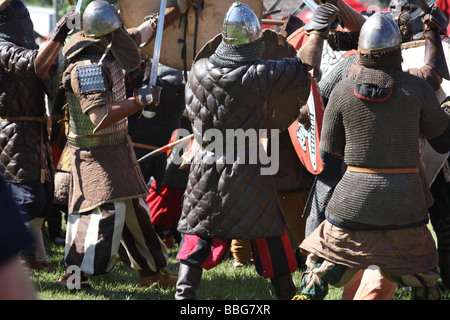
[[100, 18], [379, 34], [241, 25]]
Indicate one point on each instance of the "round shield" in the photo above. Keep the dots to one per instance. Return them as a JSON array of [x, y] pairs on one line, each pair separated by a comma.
[[188, 33], [306, 141], [282, 110], [413, 56]]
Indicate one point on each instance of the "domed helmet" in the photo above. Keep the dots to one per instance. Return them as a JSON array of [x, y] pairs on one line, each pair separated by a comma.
[[400, 11], [100, 18], [397, 6], [241, 25], [16, 25], [379, 34]]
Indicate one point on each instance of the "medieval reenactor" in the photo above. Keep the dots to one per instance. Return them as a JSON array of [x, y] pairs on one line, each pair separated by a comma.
[[107, 208], [411, 30], [26, 163], [227, 198], [377, 214]]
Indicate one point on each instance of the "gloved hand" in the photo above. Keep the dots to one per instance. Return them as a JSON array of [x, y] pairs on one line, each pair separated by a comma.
[[446, 106], [62, 28], [304, 117], [435, 19], [146, 95], [324, 19], [428, 74]]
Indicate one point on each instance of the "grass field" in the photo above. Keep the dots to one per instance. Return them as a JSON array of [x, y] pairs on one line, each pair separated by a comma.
[[219, 283]]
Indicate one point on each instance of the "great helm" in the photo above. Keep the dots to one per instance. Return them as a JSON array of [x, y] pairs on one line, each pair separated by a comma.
[[241, 25], [379, 34], [100, 18], [397, 6], [401, 13]]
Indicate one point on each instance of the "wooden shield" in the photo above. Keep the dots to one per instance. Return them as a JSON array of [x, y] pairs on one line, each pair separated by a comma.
[[282, 110], [413, 56], [194, 29], [306, 142]]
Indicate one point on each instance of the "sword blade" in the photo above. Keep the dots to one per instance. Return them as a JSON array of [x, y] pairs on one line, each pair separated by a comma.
[[419, 11], [166, 148], [299, 8], [78, 8], [157, 47], [311, 4]]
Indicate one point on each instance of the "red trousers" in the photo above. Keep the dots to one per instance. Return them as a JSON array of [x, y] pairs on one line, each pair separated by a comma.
[[273, 257]]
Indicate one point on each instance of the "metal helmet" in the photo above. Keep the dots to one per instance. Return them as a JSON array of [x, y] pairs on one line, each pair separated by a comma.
[[397, 6], [241, 25], [401, 11], [379, 34], [100, 18]]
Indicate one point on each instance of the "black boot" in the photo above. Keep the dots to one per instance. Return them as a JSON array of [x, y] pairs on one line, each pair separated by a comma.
[[284, 287], [189, 277]]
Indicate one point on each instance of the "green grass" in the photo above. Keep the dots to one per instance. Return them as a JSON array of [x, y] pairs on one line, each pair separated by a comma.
[[122, 283]]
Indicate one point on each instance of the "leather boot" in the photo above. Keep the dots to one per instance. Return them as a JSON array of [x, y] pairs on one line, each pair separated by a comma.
[[189, 277], [162, 279], [284, 287]]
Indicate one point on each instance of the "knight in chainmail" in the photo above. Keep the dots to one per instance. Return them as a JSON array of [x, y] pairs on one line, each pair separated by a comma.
[[333, 171], [401, 10], [25, 162], [107, 208], [377, 214], [227, 198]]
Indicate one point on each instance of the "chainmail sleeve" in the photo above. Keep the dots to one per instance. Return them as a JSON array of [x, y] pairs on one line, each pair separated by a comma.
[[333, 134], [434, 120], [327, 84]]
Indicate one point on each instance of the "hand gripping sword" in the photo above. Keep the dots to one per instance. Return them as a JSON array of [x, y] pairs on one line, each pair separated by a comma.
[[352, 19], [424, 6], [155, 58]]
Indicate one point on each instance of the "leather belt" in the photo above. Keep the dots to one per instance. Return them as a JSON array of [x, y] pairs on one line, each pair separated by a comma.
[[383, 170], [97, 140], [22, 118]]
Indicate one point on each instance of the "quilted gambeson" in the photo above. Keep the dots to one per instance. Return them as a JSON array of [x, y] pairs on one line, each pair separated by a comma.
[[228, 198]]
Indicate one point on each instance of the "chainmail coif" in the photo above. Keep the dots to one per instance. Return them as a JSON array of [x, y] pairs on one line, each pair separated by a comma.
[[233, 56]]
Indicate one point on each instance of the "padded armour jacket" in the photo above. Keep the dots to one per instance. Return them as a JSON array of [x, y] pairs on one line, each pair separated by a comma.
[[22, 104], [226, 197]]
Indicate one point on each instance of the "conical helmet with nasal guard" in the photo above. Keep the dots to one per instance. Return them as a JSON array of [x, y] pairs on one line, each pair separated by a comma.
[[241, 25], [379, 34]]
